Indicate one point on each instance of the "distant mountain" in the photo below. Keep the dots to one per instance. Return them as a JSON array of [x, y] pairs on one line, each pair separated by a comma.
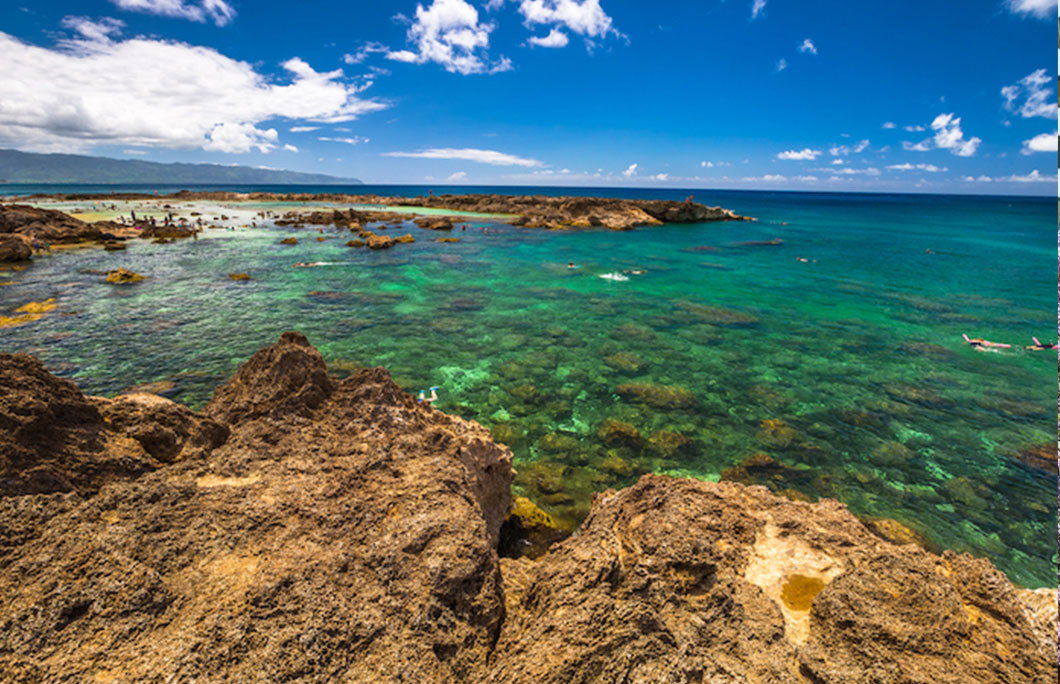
[[28, 167]]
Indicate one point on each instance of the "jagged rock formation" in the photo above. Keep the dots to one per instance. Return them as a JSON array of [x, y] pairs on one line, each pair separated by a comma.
[[307, 529]]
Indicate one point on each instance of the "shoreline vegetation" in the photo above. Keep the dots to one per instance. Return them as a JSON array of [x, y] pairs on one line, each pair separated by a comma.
[[305, 527]]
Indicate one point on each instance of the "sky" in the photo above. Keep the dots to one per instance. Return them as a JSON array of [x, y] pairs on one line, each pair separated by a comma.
[[820, 95]]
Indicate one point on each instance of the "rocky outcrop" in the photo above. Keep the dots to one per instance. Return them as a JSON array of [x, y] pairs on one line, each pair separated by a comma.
[[682, 581], [46, 225], [123, 276], [14, 248], [309, 529]]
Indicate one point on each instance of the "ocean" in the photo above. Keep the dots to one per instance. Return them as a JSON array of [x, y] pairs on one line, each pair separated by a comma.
[[828, 365]]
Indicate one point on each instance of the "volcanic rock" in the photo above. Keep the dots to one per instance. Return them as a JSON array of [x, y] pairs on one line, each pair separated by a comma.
[[45, 225], [13, 248], [122, 276]]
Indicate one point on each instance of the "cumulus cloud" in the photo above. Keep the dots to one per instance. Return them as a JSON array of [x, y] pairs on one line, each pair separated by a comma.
[[554, 39], [782, 64], [217, 11], [156, 93], [930, 168], [768, 178], [889, 124], [303, 129], [98, 30], [979, 179], [914, 128], [1042, 9], [808, 46], [584, 17], [468, 154], [362, 53], [449, 33], [799, 155], [847, 171], [1029, 97], [948, 136], [1045, 142], [844, 150], [631, 171], [1032, 177], [457, 176], [757, 8]]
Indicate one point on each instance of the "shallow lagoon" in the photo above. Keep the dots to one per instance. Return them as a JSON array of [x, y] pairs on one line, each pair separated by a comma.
[[848, 369]]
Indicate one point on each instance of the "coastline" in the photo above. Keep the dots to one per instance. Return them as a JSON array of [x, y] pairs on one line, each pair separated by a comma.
[[306, 513]]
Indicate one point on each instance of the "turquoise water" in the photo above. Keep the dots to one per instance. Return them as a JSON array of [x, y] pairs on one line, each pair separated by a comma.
[[848, 369]]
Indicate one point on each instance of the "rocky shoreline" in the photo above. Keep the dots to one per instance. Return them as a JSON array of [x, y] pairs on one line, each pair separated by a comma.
[[303, 528]]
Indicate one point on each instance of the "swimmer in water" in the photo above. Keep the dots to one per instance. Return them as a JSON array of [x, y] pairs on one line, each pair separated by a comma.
[[424, 399], [635, 271], [571, 264], [981, 344], [1040, 346]]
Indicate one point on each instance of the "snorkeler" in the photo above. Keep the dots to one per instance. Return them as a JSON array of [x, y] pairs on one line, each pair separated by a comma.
[[571, 264], [424, 399], [980, 343], [1040, 346]]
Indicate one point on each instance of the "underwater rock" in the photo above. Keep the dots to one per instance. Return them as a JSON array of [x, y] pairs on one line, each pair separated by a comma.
[[13, 249], [543, 476], [632, 331], [122, 276], [355, 243], [429, 223], [759, 468], [897, 533], [775, 433], [508, 434], [618, 433], [625, 362], [557, 442], [289, 241], [892, 453], [525, 392], [114, 246], [447, 239], [668, 444], [658, 396], [716, 315], [239, 276], [27, 313], [1043, 456], [528, 531]]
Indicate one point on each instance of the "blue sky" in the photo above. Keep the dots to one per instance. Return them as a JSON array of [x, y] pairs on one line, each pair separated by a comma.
[[928, 96]]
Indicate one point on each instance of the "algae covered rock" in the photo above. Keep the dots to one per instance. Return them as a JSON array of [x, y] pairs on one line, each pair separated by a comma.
[[239, 276], [618, 433], [658, 396], [406, 238], [380, 242], [289, 241], [528, 531], [668, 444], [122, 276]]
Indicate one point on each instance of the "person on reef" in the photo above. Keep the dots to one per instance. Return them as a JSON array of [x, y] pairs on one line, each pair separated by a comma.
[[424, 399], [980, 343], [1041, 346]]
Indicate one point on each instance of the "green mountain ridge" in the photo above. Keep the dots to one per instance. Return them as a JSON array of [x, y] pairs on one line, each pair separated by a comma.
[[30, 167]]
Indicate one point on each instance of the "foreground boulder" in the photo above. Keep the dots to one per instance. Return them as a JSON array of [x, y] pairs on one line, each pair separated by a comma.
[[46, 225], [307, 529], [13, 248]]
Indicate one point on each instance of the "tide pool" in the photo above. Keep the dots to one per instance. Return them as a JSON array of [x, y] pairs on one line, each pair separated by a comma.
[[838, 353]]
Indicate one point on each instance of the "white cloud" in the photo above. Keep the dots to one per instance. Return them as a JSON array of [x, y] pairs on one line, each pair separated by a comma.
[[1031, 89], [808, 46], [782, 64], [768, 178], [362, 52], [137, 152], [631, 171], [660, 176], [980, 179], [930, 168], [948, 136], [1032, 177], [837, 161], [290, 148], [1041, 9], [156, 93], [806, 179], [1045, 142], [584, 17], [844, 150], [100, 30], [757, 7], [889, 124], [915, 129], [468, 154], [712, 164], [847, 171], [449, 33], [355, 140], [218, 11], [458, 176], [303, 129], [554, 39], [799, 155]]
